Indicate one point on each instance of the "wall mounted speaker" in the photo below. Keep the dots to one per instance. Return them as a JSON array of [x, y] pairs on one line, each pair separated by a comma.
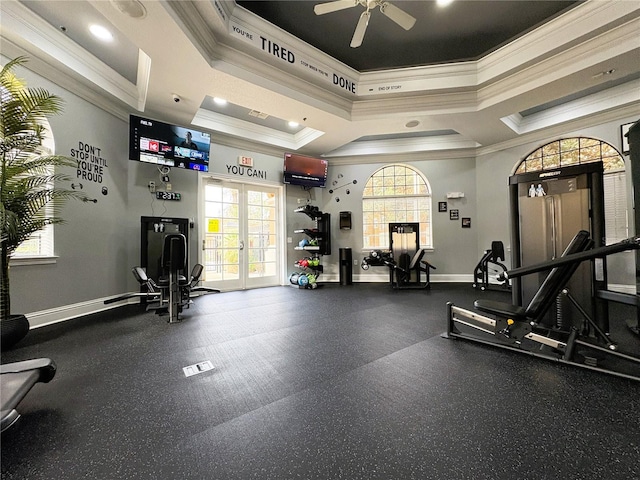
[[345, 220]]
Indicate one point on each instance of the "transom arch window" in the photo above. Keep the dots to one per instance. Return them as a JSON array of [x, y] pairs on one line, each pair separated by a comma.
[[571, 151], [395, 193], [580, 150]]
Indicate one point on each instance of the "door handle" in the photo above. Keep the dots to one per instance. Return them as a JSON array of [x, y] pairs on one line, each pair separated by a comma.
[[241, 244]]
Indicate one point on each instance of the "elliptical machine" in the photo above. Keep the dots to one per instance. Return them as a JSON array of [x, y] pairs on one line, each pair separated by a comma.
[[490, 267]]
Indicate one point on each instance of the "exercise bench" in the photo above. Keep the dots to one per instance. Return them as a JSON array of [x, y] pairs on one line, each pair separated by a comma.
[[16, 380]]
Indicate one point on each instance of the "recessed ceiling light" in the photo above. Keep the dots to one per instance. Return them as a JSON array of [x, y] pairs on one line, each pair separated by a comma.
[[444, 3], [101, 33], [219, 101], [293, 124], [133, 8], [412, 123]]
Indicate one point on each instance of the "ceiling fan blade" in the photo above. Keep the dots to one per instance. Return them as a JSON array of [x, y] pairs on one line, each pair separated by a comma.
[[399, 16], [329, 7], [361, 27]]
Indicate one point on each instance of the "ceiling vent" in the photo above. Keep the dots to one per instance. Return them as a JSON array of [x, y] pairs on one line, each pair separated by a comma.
[[257, 114]]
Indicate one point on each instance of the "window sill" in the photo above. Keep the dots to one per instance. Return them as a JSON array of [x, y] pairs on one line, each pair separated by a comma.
[[32, 261]]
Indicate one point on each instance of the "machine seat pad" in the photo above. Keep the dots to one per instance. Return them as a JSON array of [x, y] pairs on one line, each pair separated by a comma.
[[164, 281], [501, 308], [16, 379]]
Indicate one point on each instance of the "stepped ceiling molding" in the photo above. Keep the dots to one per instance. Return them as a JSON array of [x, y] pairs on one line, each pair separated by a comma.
[[469, 70]]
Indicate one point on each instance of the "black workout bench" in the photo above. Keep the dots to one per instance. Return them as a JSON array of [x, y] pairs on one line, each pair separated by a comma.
[[16, 380]]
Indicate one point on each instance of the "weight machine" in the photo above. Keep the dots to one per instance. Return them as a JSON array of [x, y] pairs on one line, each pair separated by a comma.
[[521, 328], [490, 266], [173, 290], [407, 271]]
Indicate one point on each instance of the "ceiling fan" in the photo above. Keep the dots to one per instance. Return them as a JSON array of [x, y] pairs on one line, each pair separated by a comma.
[[396, 14]]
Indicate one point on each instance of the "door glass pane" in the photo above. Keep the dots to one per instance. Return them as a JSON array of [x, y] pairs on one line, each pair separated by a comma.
[[220, 257], [261, 234]]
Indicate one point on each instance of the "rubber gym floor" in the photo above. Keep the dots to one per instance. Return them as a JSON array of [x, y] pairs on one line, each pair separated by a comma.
[[342, 382]]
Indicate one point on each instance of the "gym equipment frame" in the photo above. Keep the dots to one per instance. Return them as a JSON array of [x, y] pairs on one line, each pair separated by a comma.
[[493, 257], [404, 258], [399, 277], [518, 328], [173, 291]]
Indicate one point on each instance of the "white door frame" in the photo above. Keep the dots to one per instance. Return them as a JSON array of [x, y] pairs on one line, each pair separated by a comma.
[[281, 246]]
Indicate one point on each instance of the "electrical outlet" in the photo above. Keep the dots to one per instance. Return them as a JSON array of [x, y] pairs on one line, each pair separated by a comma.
[[355, 262], [168, 187], [152, 187]]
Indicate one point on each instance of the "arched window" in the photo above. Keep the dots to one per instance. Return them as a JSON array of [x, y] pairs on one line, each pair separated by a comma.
[[580, 150], [395, 194], [572, 151]]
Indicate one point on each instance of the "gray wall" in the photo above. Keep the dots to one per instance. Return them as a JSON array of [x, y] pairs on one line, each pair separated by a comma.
[[453, 247], [93, 243], [493, 171], [99, 244]]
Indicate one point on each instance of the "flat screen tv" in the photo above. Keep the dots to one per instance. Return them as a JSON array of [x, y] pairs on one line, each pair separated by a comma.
[[151, 141], [305, 171]]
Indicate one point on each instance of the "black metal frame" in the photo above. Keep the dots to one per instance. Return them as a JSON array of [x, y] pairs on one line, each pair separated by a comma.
[[481, 272], [515, 327]]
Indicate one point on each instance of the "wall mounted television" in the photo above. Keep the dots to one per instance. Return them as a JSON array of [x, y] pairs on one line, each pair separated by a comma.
[[305, 171], [151, 141]]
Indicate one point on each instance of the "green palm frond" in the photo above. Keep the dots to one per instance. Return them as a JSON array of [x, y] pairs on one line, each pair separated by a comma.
[[31, 195]]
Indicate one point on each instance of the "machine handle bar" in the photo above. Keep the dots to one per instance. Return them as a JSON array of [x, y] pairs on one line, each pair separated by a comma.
[[632, 243]]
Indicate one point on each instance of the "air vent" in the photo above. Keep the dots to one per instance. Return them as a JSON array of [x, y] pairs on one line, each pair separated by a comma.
[[257, 114]]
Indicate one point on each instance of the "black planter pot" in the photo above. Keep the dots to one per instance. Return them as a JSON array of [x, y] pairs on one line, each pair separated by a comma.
[[12, 330]]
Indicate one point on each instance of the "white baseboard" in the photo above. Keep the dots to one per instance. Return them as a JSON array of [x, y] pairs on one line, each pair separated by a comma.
[[68, 312], [384, 278]]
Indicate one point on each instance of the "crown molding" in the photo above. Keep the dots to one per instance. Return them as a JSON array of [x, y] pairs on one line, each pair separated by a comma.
[[409, 145], [558, 34], [616, 97], [67, 82], [27, 30], [610, 44], [562, 129], [258, 133]]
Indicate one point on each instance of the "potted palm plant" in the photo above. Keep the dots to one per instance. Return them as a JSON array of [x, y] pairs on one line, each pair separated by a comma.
[[30, 191]]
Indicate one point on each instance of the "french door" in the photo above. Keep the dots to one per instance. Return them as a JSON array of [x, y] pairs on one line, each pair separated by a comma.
[[241, 239]]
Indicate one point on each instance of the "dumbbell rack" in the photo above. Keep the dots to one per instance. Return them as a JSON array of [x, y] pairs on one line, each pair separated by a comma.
[[320, 235]]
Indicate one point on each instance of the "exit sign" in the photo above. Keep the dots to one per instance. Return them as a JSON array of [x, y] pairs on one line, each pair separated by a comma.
[[245, 161]]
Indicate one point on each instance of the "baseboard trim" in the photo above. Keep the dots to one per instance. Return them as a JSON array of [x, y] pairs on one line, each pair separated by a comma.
[[68, 312], [384, 278], [51, 316]]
